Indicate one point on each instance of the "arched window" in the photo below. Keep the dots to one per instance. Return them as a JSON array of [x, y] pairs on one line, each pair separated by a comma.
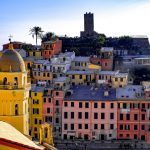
[[15, 81], [16, 110], [5, 81], [45, 132]]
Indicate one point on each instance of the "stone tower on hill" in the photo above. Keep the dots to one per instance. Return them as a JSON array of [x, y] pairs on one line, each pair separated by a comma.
[[88, 25]]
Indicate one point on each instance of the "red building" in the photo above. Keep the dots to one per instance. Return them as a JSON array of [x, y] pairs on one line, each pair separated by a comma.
[[16, 45], [105, 60], [50, 48], [133, 114]]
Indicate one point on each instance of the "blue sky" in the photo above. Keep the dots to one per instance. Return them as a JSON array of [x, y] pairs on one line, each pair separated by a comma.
[[111, 17]]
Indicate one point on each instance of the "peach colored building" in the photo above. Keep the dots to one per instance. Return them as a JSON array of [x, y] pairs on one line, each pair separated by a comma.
[[89, 113], [51, 48]]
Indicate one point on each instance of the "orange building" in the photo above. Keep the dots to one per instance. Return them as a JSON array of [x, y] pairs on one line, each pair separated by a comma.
[[50, 48]]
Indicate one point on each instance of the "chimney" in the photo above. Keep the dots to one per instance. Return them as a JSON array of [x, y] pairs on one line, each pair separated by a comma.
[[106, 93]]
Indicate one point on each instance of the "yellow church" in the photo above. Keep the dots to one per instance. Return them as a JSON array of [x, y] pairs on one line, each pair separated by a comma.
[[14, 90]]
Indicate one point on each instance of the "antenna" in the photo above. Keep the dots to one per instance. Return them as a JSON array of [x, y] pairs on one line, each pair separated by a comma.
[[10, 37]]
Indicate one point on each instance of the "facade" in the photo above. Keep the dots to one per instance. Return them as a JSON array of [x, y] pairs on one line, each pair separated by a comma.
[[81, 77], [35, 53], [36, 111], [133, 114], [51, 48], [41, 71], [14, 90], [89, 113], [80, 63]]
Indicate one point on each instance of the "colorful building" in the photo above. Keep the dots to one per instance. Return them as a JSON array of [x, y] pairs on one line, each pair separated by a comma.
[[36, 111], [86, 77], [89, 113], [14, 90], [51, 48], [133, 114]]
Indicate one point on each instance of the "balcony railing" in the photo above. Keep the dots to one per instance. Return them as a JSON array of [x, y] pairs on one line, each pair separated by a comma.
[[14, 87]]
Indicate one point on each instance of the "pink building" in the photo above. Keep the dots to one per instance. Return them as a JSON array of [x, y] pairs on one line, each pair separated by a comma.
[[89, 113]]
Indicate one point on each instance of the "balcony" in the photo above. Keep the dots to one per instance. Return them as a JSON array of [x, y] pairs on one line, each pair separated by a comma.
[[14, 87]]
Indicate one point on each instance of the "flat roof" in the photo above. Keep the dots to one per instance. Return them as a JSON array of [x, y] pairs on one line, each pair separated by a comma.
[[84, 93], [60, 79], [82, 59], [130, 92], [80, 72]]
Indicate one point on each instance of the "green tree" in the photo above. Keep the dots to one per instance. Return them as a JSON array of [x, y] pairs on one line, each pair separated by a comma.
[[37, 32], [49, 36], [101, 40]]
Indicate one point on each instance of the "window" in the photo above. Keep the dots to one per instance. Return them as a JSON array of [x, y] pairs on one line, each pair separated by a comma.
[[65, 104], [116, 79], [86, 105], [48, 110], [35, 110], [95, 105], [142, 127], [135, 116], [57, 103], [111, 126], [111, 105], [135, 127], [57, 120], [121, 127], [143, 116], [72, 104], [79, 115], [95, 115], [79, 126], [80, 104], [111, 115], [121, 79], [35, 94], [44, 100], [73, 76], [80, 77], [102, 126], [35, 129], [86, 115], [86, 126], [127, 116], [35, 121], [44, 74], [57, 93], [121, 116], [40, 121], [72, 115], [102, 105], [16, 110], [127, 127], [120, 135], [143, 105], [124, 105], [35, 101], [95, 126], [102, 115], [65, 115], [49, 100], [72, 126], [135, 105]]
